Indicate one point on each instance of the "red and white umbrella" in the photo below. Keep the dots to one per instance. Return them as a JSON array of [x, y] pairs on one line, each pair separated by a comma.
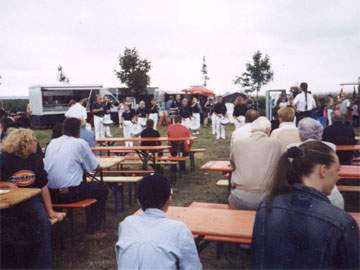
[[199, 90]]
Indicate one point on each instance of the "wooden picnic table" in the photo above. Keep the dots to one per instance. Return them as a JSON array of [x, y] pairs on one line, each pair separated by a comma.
[[142, 151], [236, 225], [355, 147], [223, 166], [108, 162], [349, 172], [144, 139], [16, 196]]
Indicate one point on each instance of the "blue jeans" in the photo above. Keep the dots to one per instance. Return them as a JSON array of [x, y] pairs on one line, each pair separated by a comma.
[[28, 236]]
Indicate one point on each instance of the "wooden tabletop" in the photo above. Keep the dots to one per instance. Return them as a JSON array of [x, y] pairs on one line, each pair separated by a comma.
[[108, 162], [355, 147], [349, 171], [132, 148], [143, 139], [217, 166], [16, 196], [227, 223]]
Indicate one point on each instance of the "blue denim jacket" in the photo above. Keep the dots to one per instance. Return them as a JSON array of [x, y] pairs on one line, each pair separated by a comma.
[[303, 230]]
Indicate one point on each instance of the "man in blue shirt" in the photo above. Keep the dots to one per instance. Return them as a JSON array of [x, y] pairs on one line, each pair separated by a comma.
[[87, 135], [66, 159], [151, 240]]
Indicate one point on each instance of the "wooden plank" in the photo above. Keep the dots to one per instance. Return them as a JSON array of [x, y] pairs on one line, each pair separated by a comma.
[[16, 196], [355, 147], [132, 148], [122, 179], [108, 162], [144, 139], [348, 188], [217, 166], [349, 172]]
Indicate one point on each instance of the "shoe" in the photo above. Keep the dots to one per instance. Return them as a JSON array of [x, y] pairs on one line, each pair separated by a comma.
[[95, 236]]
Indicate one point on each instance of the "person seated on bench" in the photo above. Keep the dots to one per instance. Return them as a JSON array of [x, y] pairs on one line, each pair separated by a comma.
[[22, 166], [340, 133], [296, 226], [310, 130], [66, 159], [152, 240], [87, 134], [287, 132], [254, 160], [150, 132], [244, 131], [178, 130]]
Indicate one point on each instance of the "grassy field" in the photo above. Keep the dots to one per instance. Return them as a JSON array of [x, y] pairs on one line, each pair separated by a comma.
[[194, 186]]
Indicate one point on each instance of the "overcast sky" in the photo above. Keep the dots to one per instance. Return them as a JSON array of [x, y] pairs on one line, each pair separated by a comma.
[[317, 41]]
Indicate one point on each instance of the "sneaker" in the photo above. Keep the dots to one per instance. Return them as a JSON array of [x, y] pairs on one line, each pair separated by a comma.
[[95, 236]]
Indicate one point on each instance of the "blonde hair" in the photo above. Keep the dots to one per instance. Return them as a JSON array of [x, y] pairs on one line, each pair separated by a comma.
[[286, 114], [17, 142]]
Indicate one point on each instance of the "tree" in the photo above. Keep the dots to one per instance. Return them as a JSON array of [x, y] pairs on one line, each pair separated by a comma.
[[257, 74], [133, 71]]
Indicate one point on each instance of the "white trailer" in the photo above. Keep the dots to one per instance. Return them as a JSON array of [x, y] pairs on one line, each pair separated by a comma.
[[50, 102]]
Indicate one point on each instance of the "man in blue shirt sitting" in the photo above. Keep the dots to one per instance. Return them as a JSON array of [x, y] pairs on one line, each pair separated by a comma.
[[87, 134], [66, 159], [151, 240]]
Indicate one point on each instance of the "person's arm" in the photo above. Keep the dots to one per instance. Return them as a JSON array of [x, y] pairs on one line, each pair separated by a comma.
[[87, 157], [189, 257], [48, 205], [9, 185]]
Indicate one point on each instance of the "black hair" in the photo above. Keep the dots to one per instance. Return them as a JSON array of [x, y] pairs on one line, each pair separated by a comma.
[[149, 123], [304, 86], [242, 95], [57, 130], [153, 191], [298, 162], [72, 127]]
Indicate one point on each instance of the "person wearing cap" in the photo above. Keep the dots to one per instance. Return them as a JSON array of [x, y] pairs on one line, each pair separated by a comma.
[[151, 240]]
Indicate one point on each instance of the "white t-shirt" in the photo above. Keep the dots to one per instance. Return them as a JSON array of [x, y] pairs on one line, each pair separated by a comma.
[[300, 103], [76, 111]]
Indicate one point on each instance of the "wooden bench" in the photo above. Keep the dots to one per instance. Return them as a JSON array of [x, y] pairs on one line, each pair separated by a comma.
[[133, 172], [209, 205], [348, 188], [223, 183], [71, 206]]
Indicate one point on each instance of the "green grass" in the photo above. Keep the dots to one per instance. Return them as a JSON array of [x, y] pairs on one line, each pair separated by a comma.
[[193, 186]]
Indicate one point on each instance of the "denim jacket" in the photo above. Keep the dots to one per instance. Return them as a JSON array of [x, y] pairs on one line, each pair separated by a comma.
[[301, 229]]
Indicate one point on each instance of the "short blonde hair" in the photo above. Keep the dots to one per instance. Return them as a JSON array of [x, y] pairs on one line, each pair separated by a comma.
[[286, 114], [17, 142]]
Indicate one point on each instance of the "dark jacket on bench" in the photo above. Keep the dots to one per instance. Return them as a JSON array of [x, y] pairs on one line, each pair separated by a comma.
[[304, 231]]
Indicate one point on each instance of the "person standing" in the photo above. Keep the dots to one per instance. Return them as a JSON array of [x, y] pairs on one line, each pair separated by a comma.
[[128, 118], [220, 112], [355, 113], [240, 108], [76, 110], [121, 109], [154, 113], [141, 114], [195, 119], [107, 116], [185, 113], [97, 109], [304, 103]]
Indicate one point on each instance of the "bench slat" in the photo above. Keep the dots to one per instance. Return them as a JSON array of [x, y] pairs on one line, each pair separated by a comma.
[[349, 188], [79, 204]]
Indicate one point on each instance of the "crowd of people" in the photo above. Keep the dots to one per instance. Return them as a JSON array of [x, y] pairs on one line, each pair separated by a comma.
[[285, 169]]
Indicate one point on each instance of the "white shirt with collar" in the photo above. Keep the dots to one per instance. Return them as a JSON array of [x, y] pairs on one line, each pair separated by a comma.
[[242, 132], [66, 159], [300, 102], [153, 241], [76, 111]]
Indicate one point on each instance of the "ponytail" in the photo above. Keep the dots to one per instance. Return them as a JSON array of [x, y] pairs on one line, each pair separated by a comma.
[[296, 163]]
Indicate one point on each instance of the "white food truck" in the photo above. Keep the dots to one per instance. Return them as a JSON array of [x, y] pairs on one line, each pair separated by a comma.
[[50, 102]]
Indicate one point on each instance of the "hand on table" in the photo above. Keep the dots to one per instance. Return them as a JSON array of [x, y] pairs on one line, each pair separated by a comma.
[[8, 185]]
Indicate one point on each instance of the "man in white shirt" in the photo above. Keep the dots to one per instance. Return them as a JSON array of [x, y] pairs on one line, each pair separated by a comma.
[[304, 103], [66, 160], [245, 130], [152, 240], [76, 111], [287, 132]]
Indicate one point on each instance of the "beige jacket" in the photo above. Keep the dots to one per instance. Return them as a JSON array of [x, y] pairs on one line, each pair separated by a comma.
[[287, 133], [254, 160]]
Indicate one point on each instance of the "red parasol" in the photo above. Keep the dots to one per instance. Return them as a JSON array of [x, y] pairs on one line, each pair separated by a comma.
[[199, 90]]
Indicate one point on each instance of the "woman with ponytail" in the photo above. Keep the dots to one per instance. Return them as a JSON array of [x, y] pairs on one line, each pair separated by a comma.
[[296, 226]]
